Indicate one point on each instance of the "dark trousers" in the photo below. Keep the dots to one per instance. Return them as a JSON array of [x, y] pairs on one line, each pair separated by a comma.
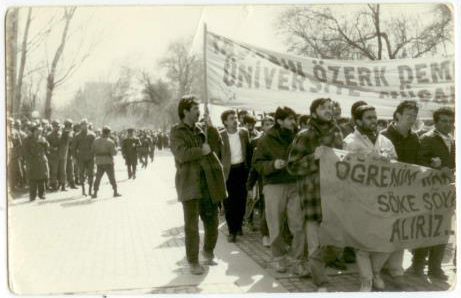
[[131, 165], [70, 171], [100, 170], [144, 159], [58, 173], [151, 153], [208, 212], [86, 169], [36, 185], [435, 254], [234, 205], [15, 173]]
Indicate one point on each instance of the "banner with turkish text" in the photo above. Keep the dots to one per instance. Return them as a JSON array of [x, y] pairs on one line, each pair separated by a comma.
[[383, 206], [240, 75]]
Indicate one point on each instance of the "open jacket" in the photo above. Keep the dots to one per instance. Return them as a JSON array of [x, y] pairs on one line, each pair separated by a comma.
[[186, 144], [225, 153], [433, 146]]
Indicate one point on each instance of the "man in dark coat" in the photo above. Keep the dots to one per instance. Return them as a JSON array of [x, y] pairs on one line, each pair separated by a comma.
[[190, 152], [82, 147], [407, 145], [438, 152], [130, 147], [35, 151], [70, 160], [235, 156], [282, 201]]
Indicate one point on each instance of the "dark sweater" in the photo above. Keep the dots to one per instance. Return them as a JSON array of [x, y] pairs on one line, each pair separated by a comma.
[[407, 148]]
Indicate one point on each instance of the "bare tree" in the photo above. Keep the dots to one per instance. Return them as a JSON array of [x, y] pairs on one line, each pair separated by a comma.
[[54, 79], [17, 95], [317, 31], [181, 65], [11, 56]]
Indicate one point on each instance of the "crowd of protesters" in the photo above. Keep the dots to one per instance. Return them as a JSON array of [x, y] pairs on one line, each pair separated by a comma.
[[52, 156], [273, 170]]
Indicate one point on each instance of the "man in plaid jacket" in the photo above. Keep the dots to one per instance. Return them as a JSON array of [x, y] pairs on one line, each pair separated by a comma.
[[303, 162]]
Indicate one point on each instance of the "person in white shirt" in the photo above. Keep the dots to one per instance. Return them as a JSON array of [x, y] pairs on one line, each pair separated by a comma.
[[234, 155], [366, 140]]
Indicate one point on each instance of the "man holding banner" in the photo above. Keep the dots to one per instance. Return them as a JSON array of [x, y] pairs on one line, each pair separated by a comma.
[[437, 151], [366, 141], [303, 162], [407, 145]]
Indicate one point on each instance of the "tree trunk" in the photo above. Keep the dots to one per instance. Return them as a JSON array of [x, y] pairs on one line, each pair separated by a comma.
[[68, 14], [11, 57], [17, 94]]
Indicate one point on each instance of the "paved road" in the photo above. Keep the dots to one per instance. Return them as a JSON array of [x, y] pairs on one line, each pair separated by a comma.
[[135, 244]]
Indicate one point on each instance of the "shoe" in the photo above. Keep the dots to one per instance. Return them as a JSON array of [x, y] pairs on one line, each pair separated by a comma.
[[240, 232], [281, 266], [399, 283], [301, 271], [231, 238], [209, 258], [437, 274], [266, 241], [378, 283], [337, 264], [116, 195], [196, 269], [73, 186], [31, 200], [366, 286], [348, 255], [42, 197], [94, 196]]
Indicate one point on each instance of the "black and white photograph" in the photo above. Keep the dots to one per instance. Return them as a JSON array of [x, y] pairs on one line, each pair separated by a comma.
[[239, 148]]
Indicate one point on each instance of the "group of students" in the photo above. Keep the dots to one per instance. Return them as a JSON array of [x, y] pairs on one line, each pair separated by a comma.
[[280, 166]]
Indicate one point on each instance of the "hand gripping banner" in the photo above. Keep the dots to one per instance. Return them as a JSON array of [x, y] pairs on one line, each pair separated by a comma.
[[383, 206], [245, 76]]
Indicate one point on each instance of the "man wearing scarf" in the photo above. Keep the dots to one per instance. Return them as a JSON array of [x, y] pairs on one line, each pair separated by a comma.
[[282, 200], [303, 162]]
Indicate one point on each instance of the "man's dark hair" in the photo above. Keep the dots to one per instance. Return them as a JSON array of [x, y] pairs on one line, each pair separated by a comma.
[[226, 114], [248, 119], [267, 118], [355, 105], [185, 104], [242, 112], [448, 111], [282, 113], [406, 104], [358, 113], [318, 102], [303, 119]]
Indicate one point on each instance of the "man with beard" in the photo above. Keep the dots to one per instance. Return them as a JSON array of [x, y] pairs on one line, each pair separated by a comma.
[[234, 156], [407, 145], [282, 201], [192, 185], [366, 140], [303, 162]]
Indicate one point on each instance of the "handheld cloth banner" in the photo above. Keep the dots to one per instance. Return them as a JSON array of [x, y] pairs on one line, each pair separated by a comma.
[[383, 206], [245, 76]]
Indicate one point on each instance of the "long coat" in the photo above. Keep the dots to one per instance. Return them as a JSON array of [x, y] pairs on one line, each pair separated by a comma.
[[35, 151], [186, 145], [225, 153]]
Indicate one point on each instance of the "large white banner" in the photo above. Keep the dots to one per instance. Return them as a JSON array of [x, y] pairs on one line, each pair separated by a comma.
[[245, 76]]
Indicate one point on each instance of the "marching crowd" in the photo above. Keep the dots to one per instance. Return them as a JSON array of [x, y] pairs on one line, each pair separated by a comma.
[[274, 169], [49, 157]]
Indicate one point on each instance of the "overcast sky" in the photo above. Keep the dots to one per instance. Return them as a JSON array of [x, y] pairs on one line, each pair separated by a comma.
[[139, 36]]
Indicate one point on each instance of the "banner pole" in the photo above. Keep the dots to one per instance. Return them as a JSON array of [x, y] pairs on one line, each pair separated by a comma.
[[205, 80]]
